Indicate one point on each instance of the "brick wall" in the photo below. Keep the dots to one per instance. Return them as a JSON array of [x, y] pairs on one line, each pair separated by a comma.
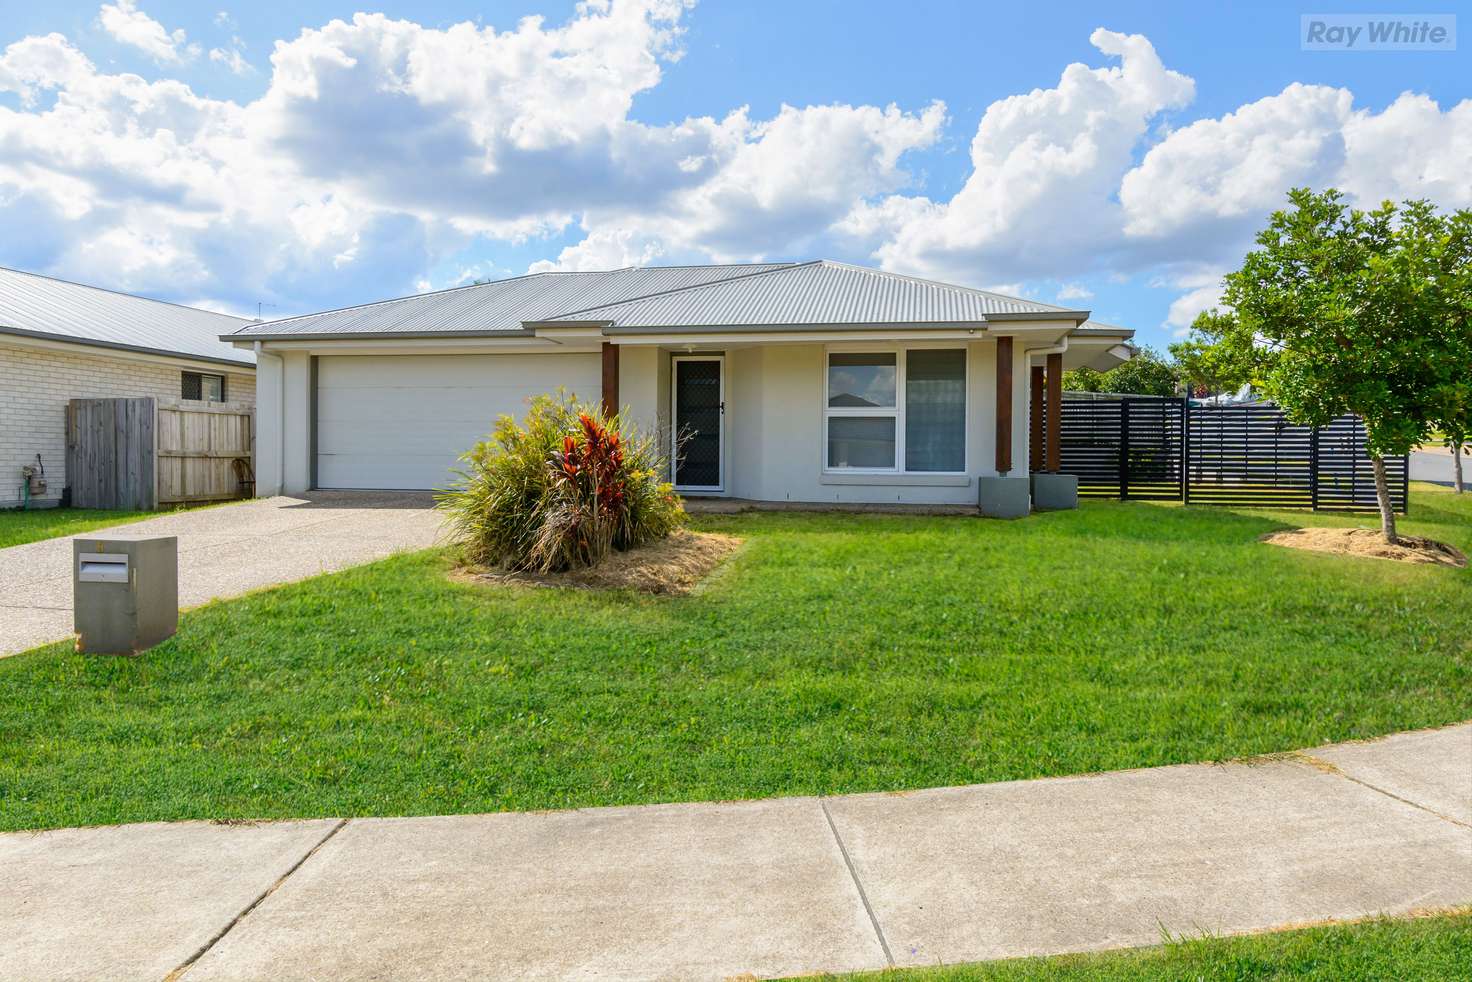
[[35, 385]]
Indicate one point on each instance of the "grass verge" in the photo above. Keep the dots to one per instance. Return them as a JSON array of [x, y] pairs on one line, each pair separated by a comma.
[[1424, 949], [19, 526]]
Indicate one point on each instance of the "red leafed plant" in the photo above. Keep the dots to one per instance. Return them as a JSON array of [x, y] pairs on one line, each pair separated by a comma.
[[588, 476], [560, 491]]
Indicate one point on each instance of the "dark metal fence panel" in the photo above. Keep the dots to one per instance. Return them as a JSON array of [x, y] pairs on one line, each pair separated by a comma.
[[1154, 433], [1244, 456], [1345, 481], [1249, 456], [1089, 444]]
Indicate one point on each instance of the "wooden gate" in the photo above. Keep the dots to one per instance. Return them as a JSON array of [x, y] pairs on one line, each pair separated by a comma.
[[141, 454]]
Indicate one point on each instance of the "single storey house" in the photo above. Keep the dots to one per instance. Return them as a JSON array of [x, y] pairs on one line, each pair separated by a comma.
[[61, 341], [804, 382]]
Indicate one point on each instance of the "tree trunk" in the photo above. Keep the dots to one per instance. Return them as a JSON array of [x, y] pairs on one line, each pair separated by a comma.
[[1382, 495], [1457, 467]]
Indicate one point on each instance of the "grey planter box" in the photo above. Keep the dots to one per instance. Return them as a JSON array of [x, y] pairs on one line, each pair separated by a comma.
[[1003, 497], [1054, 492]]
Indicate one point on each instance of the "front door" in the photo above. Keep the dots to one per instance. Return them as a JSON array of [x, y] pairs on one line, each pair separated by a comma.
[[699, 413]]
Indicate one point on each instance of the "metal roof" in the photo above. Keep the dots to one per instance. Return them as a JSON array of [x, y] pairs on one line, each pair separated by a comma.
[[817, 293], [504, 305], [691, 299], [33, 305]]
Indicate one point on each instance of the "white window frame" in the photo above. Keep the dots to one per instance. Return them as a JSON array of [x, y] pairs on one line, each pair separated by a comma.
[[897, 412]]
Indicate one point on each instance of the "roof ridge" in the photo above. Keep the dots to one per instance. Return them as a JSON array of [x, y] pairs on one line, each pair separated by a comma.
[[511, 279], [120, 293], [779, 268], [941, 283], [780, 262]]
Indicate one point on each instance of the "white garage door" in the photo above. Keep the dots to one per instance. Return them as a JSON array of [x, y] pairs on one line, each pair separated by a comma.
[[401, 422]]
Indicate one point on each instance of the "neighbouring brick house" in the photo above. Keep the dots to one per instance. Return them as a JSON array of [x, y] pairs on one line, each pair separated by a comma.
[[61, 341]]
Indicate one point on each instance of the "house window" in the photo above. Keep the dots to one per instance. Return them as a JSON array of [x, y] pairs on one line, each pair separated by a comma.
[[897, 410], [206, 388]]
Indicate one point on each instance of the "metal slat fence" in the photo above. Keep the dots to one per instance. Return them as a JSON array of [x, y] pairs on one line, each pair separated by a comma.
[[1246, 456]]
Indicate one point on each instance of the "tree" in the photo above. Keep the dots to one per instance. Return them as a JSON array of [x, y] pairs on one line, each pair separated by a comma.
[[1215, 356], [1359, 312], [1145, 374], [1453, 416]]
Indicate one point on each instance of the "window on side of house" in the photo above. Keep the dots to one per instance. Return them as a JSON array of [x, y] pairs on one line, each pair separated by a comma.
[[203, 387], [896, 411]]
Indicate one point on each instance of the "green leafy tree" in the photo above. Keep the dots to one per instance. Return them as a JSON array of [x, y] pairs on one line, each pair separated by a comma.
[[1216, 356], [1359, 312], [1145, 374], [1453, 416]]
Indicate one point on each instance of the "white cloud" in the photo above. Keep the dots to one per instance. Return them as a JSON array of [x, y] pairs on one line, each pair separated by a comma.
[[131, 26], [381, 148], [1208, 186], [782, 187], [605, 248], [233, 57], [1202, 293], [1046, 167]]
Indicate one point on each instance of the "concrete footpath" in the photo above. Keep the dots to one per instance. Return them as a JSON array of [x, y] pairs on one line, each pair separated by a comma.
[[770, 888], [223, 552]]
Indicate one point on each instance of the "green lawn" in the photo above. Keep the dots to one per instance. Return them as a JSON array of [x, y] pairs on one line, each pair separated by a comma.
[[1433, 949], [18, 526], [835, 653]]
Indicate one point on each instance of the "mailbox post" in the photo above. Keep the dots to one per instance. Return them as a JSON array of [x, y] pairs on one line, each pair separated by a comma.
[[125, 593]]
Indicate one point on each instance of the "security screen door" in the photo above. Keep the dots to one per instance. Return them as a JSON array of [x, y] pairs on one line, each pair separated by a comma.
[[699, 408]]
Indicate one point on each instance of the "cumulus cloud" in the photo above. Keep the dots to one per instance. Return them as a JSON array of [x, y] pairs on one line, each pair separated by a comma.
[[381, 147], [376, 135], [131, 26], [1046, 168], [233, 57], [1198, 196], [784, 187]]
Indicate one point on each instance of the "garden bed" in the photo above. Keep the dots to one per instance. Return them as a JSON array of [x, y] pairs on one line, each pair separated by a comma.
[[1369, 543], [672, 565]]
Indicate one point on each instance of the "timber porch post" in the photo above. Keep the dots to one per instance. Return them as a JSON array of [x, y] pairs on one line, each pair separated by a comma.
[[1004, 404], [1035, 420], [610, 379], [1055, 412]]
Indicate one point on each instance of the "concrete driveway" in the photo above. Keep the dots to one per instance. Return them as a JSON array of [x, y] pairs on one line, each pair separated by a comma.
[[223, 552]]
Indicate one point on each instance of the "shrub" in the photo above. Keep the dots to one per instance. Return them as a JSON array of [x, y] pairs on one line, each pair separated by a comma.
[[560, 491]]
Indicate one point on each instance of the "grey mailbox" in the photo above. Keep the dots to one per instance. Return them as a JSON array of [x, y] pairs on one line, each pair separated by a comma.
[[125, 593]]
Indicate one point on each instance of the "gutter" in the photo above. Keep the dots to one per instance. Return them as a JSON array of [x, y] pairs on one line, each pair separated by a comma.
[[120, 346]]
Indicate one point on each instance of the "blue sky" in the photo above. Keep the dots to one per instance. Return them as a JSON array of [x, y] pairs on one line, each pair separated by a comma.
[[218, 177]]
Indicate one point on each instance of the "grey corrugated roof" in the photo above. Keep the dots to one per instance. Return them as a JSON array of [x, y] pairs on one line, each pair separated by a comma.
[[815, 293], [690, 298], [33, 305], [500, 306]]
